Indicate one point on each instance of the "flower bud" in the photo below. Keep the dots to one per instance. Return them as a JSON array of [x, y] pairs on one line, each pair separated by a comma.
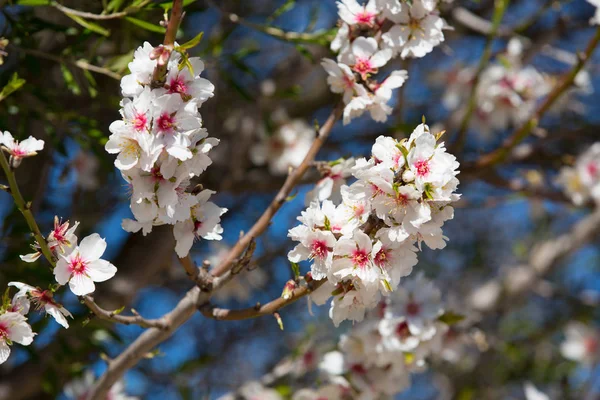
[[288, 289], [408, 176]]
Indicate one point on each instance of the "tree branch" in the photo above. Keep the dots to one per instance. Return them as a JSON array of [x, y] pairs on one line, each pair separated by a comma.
[[258, 310], [293, 178], [88, 15], [25, 209], [114, 316], [518, 136]]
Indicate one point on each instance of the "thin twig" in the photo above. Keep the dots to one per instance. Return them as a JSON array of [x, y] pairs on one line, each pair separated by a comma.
[[114, 316], [293, 178], [25, 209], [259, 310], [288, 36], [518, 136], [88, 15], [499, 9]]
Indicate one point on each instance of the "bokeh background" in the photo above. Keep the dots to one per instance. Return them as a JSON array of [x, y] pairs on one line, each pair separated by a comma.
[[255, 75]]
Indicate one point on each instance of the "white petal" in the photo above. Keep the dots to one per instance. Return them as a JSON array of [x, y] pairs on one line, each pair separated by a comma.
[[92, 247]]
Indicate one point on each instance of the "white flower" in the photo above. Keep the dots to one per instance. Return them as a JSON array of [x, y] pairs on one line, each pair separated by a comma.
[[366, 58], [61, 240], [341, 79], [13, 328], [354, 258], [417, 31], [595, 20], [83, 266], [204, 222], [79, 388], [379, 107], [533, 393], [329, 186], [316, 246], [27, 148], [582, 343], [352, 13], [353, 303], [582, 181], [189, 86], [420, 303], [43, 298]]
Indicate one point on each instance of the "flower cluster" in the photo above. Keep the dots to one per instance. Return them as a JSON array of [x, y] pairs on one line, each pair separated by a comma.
[[377, 356], [507, 92], [582, 181], [78, 265], [161, 145], [369, 37], [367, 243]]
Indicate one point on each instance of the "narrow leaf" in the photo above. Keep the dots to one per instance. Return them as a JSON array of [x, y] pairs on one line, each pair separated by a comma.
[[146, 25], [89, 25]]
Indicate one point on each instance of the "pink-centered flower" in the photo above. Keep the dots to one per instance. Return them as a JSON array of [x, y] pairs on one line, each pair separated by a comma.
[[13, 328], [26, 148], [83, 266], [43, 299]]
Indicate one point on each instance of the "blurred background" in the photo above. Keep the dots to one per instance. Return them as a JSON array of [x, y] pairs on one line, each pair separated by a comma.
[[263, 81]]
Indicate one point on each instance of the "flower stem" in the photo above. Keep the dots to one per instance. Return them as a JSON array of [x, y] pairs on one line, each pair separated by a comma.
[[25, 209], [160, 72]]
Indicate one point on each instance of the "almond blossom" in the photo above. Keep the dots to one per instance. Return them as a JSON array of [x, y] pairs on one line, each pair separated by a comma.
[[83, 266], [43, 298], [352, 13], [13, 329], [61, 240], [367, 243], [19, 150], [365, 57], [582, 343], [161, 145], [582, 181]]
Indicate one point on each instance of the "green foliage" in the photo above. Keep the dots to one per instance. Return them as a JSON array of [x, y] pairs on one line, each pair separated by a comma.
[[146, 25], [12, 86], [92, 26]]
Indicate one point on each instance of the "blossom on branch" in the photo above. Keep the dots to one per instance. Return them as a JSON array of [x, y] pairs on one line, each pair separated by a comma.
[[83, 266]]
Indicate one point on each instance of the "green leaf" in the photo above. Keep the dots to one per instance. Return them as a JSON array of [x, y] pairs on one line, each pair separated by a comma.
[[70, 80], [285, 7], [114, 5], [291, 197], [89, 25], [404, 152], [305, 53], [33, 3], [169, 4], [146, 25], [450, 318], [193, 42], [295, 269], [118, 310], [12, 86]]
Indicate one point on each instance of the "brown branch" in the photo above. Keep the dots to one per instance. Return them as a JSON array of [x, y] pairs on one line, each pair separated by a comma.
[[160, 72], [293, 178], [101, 17], [518, 136], [114, 316], [258, 310], [152, 337]]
